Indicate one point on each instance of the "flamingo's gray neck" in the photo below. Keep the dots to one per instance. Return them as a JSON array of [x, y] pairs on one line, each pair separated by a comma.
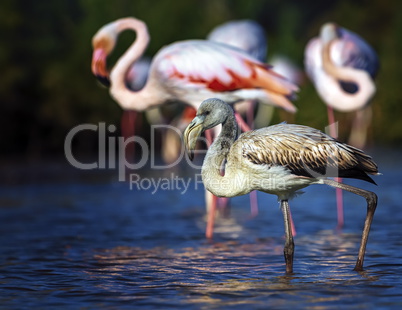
[[215, 182], [226, 137]]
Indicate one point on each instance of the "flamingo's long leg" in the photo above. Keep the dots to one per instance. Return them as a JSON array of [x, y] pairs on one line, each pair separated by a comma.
[[288, 250], [339, 194], [371, 199]]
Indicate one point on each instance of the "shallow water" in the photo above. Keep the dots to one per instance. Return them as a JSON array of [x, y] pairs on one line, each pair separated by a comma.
[[85, 240]]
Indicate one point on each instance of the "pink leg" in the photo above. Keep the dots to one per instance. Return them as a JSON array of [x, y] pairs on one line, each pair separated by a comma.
[[209, 232], [243, 125], [339, 193], [211, 208], [253, 203], [250, 113], [224, 207], [128, 120]]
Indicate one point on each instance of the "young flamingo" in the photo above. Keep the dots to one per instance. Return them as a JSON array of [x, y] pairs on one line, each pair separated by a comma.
[[278, 160]]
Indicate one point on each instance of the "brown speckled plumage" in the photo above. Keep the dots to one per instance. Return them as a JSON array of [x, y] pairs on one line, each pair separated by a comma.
[[305, 151]]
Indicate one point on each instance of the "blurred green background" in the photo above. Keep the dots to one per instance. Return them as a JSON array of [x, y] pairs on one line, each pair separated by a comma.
[[45, 53]]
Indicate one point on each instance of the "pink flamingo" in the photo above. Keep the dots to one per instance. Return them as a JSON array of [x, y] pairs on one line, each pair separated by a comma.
[[187, 71], [342, 67]]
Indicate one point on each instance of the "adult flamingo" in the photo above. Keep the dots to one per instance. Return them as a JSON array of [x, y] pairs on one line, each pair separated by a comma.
[[342, 67], [187, 71], [175, 76]]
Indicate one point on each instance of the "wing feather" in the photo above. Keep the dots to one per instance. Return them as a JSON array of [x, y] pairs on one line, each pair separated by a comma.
[[305, 152], [357, 53], [218, 67]]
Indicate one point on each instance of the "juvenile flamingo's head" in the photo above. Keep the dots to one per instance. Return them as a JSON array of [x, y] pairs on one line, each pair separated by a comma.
[[211, 113]]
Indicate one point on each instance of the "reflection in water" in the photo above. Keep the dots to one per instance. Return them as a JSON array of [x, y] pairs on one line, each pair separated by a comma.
[[231, 273], [98, 245]]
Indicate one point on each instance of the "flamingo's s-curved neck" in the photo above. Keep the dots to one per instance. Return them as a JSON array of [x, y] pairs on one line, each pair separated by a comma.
[[127, 98], [226, 185], [338, 98]]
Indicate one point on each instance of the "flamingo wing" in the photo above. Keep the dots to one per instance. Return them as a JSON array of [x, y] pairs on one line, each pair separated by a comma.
[[320, 155], [357, 53], [216, 67]]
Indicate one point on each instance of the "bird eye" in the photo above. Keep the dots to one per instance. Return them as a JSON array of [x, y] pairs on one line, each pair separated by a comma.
[[207, 112]]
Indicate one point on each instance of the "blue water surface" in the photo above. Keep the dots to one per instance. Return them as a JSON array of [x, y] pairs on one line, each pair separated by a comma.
[[84, 240]]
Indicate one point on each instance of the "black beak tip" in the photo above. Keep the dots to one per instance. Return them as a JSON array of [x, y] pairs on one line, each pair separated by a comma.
[[103, 80], [191, 156]]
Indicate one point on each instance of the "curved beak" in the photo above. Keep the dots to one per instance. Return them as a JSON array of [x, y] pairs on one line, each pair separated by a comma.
[[191, 135], [98, 66]]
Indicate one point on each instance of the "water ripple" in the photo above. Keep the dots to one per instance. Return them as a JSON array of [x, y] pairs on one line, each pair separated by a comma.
[[100, 245]]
